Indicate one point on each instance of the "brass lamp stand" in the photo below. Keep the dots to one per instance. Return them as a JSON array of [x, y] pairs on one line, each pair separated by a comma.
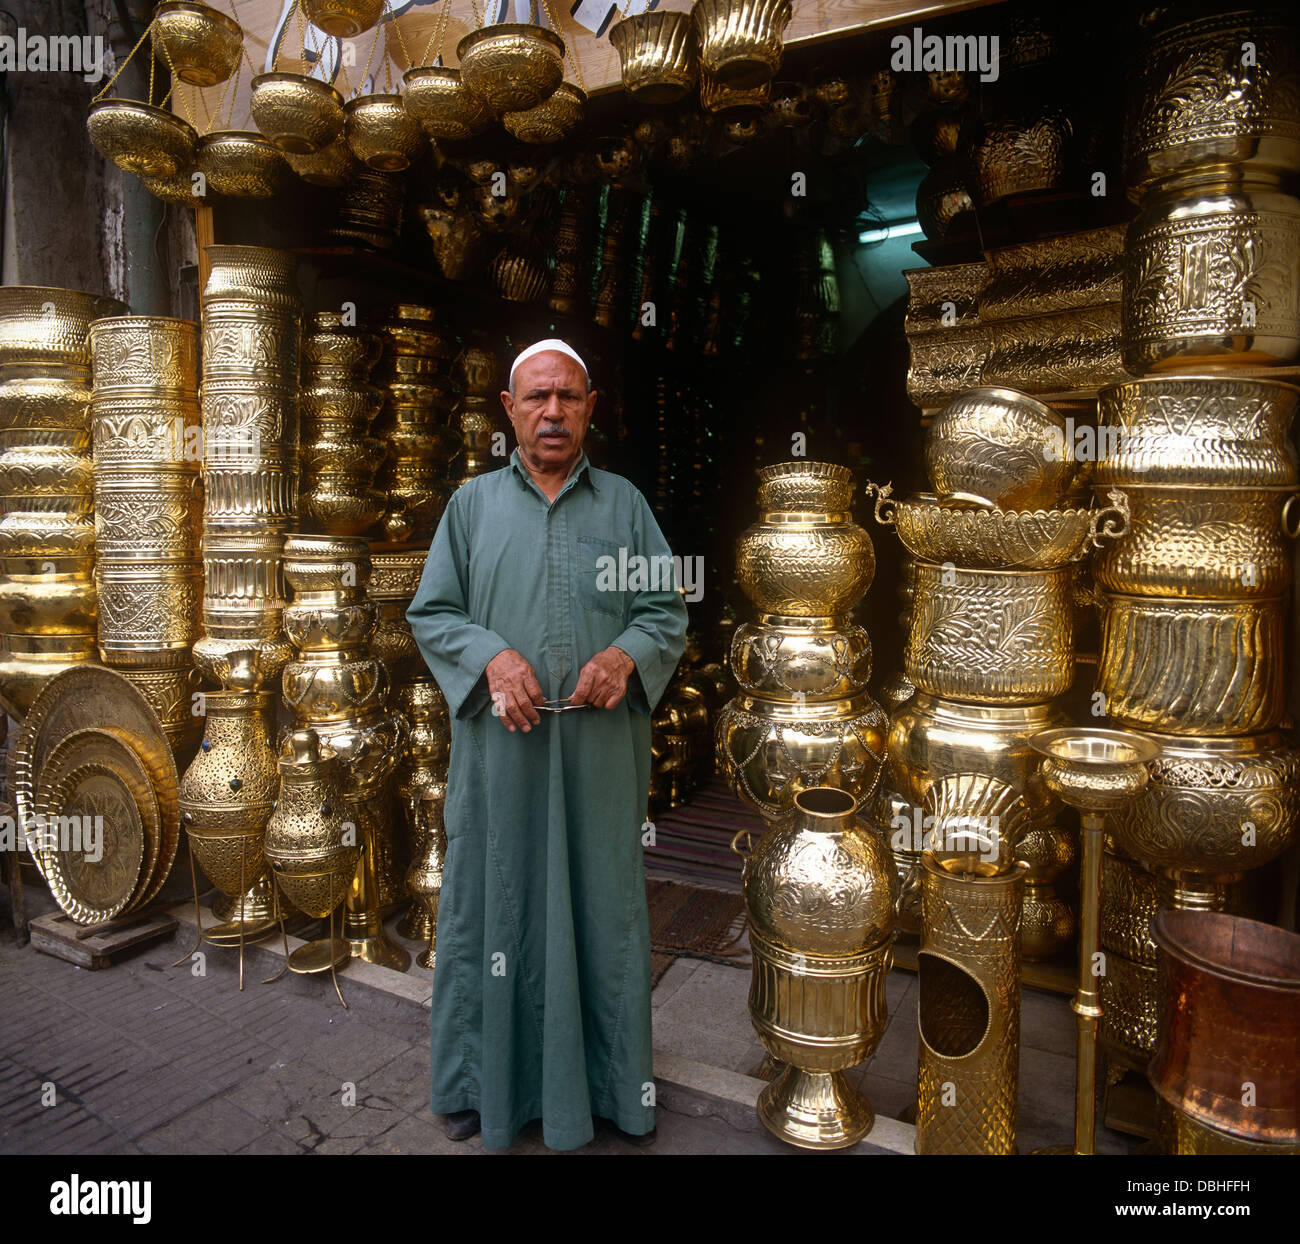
[[1095, 771]]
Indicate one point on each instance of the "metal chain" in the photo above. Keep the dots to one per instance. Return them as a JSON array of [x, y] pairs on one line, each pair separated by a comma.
[[569, 48], [440, 24], [124, 64]]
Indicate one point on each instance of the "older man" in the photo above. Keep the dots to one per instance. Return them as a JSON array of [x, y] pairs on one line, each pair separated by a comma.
[[551, 669]]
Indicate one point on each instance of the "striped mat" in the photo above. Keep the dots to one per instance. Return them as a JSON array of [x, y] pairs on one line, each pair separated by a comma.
[[693, 842]]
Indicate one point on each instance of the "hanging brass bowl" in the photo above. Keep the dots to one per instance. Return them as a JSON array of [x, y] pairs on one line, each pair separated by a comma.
[[381, 133], [717, 96], [240, 164], [511, 66], [199, 44], [658, 53], [140, 138], [299, 114], [557, 115], [436, 97], [343, 19], [330, 166], [741, 40], [178, 189]]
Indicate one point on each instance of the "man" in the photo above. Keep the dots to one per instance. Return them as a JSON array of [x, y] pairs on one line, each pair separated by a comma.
[[541, 994]]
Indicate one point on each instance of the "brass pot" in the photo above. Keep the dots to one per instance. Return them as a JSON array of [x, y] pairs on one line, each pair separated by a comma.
[[742, 104], [657, 53], [741, 41], [343, 19], [511, 66], [1198, 667], [436, 97], [381, 133], [1201, 796], [935, 531], [227, 793], [147, 612], [519, 278], [151, 357], [1019, 155], [198, 43], [997, 447], [800, 659], [991, 636], [1226, 430], [240, 163], [341, 505], [1231, 1014], [1193, 102], [370, 209], [333, 165], [42, 326], [1209, 275], [943, 200], [1214, 541], [299, 114], [140, 138], [252, 273], [311, 857], [551, 120]]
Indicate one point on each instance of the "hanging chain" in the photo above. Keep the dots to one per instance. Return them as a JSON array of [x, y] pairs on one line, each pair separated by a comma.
[[183, 96], [401, 40], [440, 24], [569, 48], [124, 64]]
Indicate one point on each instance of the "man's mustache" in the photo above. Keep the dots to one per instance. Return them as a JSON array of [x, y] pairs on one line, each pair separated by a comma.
[[554, 429]]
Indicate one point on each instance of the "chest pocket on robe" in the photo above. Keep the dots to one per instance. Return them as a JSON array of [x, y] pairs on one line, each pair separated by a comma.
[[599, 586]]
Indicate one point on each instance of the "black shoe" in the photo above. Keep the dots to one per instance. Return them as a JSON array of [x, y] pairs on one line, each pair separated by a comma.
[[641, 1140], [461, 1125]]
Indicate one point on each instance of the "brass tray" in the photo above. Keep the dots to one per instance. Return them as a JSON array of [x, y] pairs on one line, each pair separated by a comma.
[[92, 697], [95, 773]]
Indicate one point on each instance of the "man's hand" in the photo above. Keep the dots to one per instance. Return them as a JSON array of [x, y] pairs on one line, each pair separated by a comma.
[[603, 680], [514, 690]]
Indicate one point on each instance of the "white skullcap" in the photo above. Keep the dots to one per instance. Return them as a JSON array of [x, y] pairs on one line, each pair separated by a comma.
[[540, 347]]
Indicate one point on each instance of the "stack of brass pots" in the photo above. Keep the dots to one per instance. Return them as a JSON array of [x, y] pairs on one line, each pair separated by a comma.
[[1130, 988], [47, 534], [803, 716], [148, 509], [422, 790], [820, 896], [415, 422], [479, 370], [394, 580], [339, 689], [252, 340], [339, 457]]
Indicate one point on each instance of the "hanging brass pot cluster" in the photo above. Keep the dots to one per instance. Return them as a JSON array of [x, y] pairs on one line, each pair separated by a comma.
[[47, 535], [803, 716], [339, 457], [148, 511]]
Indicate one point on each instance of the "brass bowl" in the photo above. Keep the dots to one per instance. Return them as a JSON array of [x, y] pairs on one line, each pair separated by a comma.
[[180, 188], [331, 166], [511, 66], [381, 133], [1198, 429], [140, 138], [240, 164], [437, 98], [557, 115], [746, 101], [657, 52], [1209, 275], [44, 325], [1019, 156], [199, 44], [805, 487], [991, 636], [343, 19], [1205, 667], [972, 824], [299, 114], [998, 539], [1194, 103], [256, 274], [997, 447], [741, 40]]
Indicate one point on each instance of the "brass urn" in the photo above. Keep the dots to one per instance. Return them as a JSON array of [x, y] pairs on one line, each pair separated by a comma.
[[820, 897]]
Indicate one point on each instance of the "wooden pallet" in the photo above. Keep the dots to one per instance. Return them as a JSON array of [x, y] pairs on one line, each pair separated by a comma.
[[95, 946]]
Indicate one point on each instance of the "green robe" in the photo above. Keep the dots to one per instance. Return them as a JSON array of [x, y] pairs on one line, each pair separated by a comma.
[[541, 993]]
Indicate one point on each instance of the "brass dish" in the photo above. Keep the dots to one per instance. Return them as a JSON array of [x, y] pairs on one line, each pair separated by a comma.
[[657, 53], [1197, 667], [240, 164], [511, 66], [331, 166], [299, 114], [991, 636], [198, 43], [1185, 540], [381, 133], [1208, 280], [343, 19], [141, 139], [741, 41], [998, 539], [973, 823], [551, 120], [44, 325], [437, 98], [93, 776], [997, 447]]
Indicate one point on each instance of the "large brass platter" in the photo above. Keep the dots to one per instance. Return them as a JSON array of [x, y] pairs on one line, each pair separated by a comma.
[[94, 773], [91, 697]]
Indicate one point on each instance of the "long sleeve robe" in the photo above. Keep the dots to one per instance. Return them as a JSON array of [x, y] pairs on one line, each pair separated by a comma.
[[541, 992]]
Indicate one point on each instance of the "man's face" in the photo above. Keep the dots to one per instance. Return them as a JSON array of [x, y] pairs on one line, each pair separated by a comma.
[[550, 410]]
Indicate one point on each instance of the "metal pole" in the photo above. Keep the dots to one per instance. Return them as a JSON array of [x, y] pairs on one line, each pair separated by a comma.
[[1087, 999]]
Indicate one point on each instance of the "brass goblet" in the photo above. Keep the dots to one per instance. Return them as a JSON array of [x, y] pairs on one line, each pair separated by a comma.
[[1095, 771]]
